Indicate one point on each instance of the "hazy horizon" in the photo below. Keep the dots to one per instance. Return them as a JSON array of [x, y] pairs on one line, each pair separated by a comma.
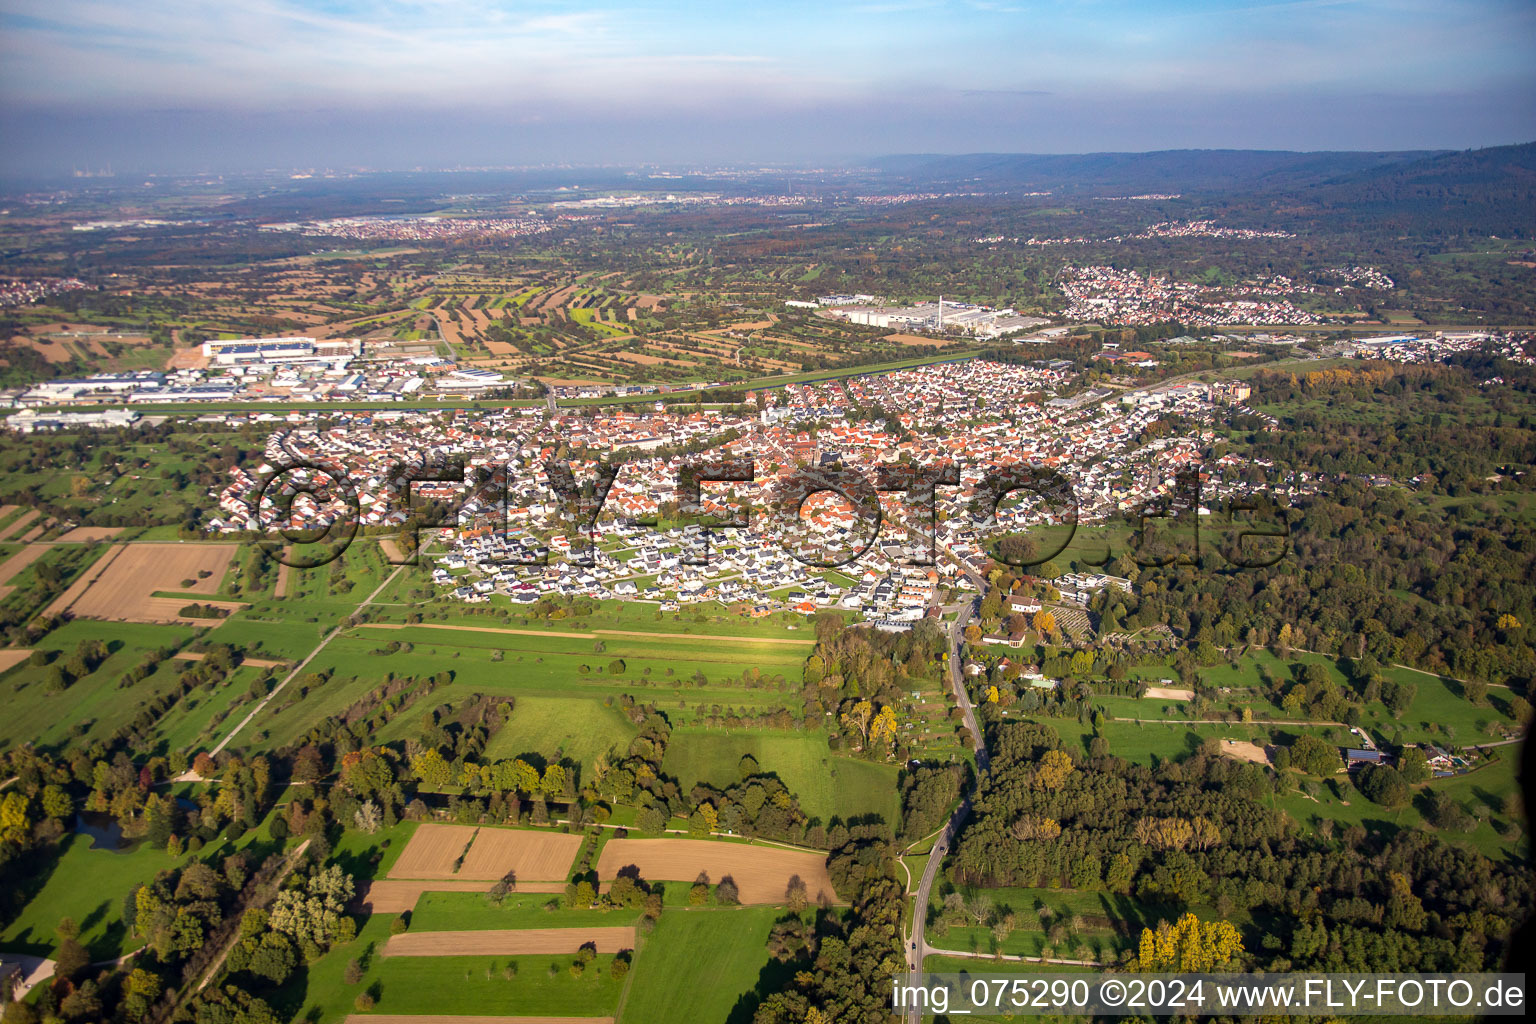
[[175, 86]]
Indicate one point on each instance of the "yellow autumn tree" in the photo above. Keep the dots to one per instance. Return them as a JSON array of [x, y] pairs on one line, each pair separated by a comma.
[[882, 728], [1054, 769], [1189, 946], [858, 717], [1044, 622]]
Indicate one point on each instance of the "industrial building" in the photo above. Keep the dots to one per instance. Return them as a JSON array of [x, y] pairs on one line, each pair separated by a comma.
[[273, 352], [938, 317]]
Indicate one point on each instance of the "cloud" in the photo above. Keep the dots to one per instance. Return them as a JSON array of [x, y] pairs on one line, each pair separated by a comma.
[[1006, 92], [917, 68]]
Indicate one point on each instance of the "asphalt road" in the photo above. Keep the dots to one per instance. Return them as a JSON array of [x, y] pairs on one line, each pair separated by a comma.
[[917, 946]]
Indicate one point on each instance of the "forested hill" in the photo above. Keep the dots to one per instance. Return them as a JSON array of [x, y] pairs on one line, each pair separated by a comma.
[[1174, 170], [1483, 191]]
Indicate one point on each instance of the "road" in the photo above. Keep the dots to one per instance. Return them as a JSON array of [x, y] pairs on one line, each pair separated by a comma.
[[917, 946], [291, 676], [234, 936]]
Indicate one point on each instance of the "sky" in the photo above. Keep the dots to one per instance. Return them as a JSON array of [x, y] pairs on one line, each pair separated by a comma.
[[170, 85]]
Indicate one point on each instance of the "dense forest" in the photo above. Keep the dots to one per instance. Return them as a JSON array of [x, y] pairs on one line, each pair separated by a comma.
[[1200, 832]]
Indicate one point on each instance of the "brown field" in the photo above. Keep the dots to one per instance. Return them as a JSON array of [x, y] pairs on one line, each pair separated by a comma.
[[20, 523], [1169, 693], [391, 549], [53, 350], [913, 339], [394, 896], [280, 588], [12, 656], [536, 856], [509, 941], [406, 1018], [188, 359], [81, 585], [36, 532], [19, 561], [127, 577], [83, 534], [432, 851], [761, 872], [1245, 751]]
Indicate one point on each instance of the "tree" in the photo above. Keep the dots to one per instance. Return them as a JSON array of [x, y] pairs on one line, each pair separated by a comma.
[[273, 959], [1413, 766], [553, 783], [367, 817], [315, 914], [57, 803], [883, 728], [1315, 757], [857, 718], [1190, 946], [1384, 785], [795, 894], [726, 893], [70, 958], [15, 824], [1054, 769], [653, 820], [1398, 697]]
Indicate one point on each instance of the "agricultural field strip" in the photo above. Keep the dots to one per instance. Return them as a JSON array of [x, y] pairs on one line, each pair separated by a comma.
[[394, 896], [511, 941], [407, 1018], [469, 852], [636, 650], [20, 524], [66, 600], [262, 704], [761, 873], [594, 634], [19, 561], [124, 587]]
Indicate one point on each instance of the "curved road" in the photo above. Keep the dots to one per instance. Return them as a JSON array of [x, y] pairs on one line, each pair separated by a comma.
[[917, 946]]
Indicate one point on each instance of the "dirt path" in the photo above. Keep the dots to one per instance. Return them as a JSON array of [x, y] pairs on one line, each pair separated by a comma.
[[290, 677], [593, 635], [218, 962]]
